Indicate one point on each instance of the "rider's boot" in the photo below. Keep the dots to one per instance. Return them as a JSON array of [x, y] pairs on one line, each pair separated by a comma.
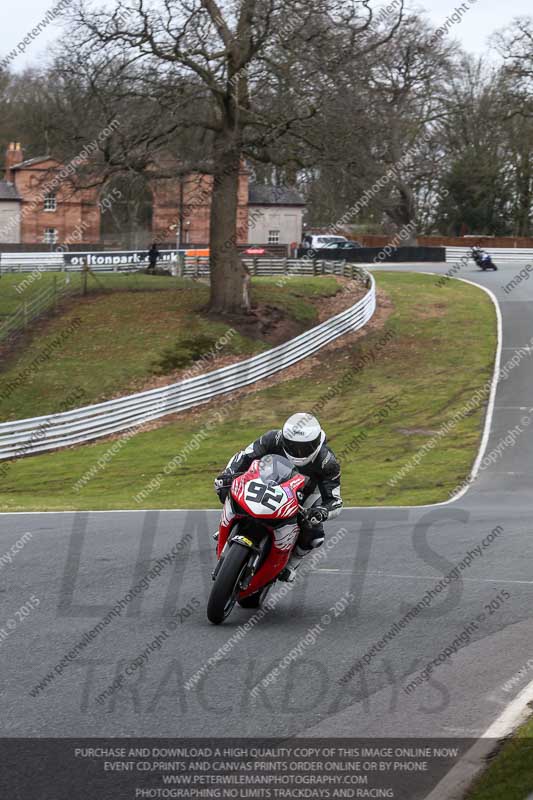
[[288, 574]]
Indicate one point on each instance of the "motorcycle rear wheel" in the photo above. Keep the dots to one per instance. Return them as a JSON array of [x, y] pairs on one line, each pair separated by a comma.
[[226, 587]]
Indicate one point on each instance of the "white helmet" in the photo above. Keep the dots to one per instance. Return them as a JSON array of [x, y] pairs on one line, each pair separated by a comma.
[[302, 439]]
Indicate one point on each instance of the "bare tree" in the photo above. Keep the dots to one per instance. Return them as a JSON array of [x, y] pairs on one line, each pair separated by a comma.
[[515, 45], [408, 87], [253, 75], [7, 132], [487, 169], [380, 133]]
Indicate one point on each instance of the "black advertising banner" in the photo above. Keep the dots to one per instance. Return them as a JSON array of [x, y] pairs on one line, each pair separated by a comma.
[[117, 258], [137, 769]]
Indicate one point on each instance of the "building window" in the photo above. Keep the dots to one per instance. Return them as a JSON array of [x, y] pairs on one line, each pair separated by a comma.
[[50, 236], [273, 237], [50, 202]]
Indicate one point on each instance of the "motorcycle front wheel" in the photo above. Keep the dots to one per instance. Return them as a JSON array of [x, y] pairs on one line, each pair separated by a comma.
[[227, 584]]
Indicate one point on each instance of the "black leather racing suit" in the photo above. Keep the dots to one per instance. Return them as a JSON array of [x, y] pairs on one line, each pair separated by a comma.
[[323, 489]]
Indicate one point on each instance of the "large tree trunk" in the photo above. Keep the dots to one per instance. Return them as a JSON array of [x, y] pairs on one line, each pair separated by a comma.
[[227, 270], [523, 226], [403, 214], [408, 216]]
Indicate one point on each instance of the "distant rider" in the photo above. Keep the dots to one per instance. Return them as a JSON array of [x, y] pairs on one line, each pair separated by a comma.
[[303, 442]]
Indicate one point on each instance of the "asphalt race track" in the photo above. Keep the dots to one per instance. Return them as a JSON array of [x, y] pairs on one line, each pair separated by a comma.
[[79, 565]]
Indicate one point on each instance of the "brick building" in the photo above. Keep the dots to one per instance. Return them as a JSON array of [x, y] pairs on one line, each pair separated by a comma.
[[276, 215], [39, 204]]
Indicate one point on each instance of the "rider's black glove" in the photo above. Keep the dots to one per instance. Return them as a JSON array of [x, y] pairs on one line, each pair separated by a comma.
[[223, 485], [316, 516]]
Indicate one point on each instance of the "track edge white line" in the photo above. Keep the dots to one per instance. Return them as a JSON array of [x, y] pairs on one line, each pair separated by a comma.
[[460, 778]]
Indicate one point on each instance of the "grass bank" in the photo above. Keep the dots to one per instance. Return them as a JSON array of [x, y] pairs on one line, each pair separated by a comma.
[[128, 329], [510, 774]]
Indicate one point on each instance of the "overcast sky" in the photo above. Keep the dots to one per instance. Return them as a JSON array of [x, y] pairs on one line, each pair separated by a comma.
[[17, 17]]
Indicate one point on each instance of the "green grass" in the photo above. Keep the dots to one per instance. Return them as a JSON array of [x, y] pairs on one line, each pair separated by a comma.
[[441, 351], [142, 327], [510, 774], [294, 295], [30, 285]]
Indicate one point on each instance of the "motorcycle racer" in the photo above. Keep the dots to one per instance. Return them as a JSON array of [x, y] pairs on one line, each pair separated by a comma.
[[303, 442], [483, 259]]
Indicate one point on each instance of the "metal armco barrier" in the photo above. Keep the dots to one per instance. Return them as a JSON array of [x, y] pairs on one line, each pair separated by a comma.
[[39, 434], [514, 255], [100, 261], [197, 266], [29, 262]]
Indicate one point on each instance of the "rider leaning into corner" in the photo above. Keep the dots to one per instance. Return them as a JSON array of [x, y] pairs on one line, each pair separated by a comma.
[[303, 442]]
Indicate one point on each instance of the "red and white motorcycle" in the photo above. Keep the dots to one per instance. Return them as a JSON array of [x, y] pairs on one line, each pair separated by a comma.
[[258, 531]]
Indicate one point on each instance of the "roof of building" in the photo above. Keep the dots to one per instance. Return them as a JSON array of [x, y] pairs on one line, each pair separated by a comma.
[[8, 191], [30, 162], [274, 196]]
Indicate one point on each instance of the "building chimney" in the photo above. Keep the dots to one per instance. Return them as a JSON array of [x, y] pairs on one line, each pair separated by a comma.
[[14, 156]]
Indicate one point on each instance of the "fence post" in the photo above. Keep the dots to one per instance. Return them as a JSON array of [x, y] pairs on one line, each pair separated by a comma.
[[197, 269], [85, 270], [181, 265], [323, 267], [55, 293]]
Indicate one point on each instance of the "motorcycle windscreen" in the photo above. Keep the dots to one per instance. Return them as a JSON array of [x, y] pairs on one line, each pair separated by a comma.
[[274, 470]]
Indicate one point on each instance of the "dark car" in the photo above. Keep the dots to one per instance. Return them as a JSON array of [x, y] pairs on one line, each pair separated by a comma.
[[343, 246]]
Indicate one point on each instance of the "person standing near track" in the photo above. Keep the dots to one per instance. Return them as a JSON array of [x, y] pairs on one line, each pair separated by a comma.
[[153, 255]]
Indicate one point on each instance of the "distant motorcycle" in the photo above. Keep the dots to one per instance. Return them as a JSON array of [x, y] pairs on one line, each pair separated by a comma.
[[483, 260]]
